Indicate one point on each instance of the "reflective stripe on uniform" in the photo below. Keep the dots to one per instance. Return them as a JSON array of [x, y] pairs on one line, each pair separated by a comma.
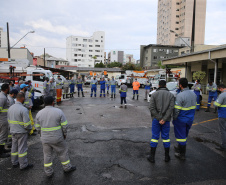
[[2, 144], [19, 123], [9, 136], [22, 155], [51, 128], [3, 110], [165, 140], [14, 154], [48, 165], [181, 140], [184, 108], [154, 140], [37, 125], [64, 163], [64, 123], [26, 102]]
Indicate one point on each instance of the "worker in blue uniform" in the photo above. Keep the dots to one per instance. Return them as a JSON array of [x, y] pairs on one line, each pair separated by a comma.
[[221, 104], [102, 87], [147, 88], [212, 89], [72, 86], [161, 108], [183, 117], [197, 89], [93, 84], [79, 84], [113, 87]]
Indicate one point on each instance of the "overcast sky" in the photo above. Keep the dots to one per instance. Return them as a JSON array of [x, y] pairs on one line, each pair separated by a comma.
[[127, 23]]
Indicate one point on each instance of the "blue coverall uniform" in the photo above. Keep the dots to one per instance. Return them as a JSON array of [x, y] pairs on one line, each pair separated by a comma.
[[102, 88], [93, 84], [184, 113], [212, 93], [197, 88], [72, 86], [221, 104], [113, 87], [108, 86]]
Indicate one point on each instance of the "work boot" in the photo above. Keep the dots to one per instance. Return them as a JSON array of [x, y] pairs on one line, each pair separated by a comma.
[[167, 157], [83, 95], [137, 97], [112, 96], [73, 168], [120, 106], [151, 157], [2, 154], [63, 96], [208, 109], [133, 97], [27, 167], [176, 148], [125, 106], [78, 94], [182, 151], [215, 110], [107, 92]]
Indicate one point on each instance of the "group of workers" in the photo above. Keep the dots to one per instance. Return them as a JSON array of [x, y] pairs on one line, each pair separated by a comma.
[[164, 108], [16, 120]]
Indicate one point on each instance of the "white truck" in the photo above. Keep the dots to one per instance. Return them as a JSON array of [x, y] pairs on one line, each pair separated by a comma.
[[129, 78], [23, 70]]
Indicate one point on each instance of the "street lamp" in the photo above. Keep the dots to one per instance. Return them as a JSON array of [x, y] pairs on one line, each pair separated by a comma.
[[186, 64], [180, 38], [23, 37]]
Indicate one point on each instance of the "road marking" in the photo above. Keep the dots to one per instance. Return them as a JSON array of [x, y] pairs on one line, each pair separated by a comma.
[[206, 121]]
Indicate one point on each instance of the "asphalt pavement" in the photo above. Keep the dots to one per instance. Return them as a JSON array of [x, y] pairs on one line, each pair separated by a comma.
[[109, 145]]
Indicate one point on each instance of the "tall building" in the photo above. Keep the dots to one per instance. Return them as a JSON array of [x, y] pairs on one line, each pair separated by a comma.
[[3, 38], [177, 15], [85, 51]]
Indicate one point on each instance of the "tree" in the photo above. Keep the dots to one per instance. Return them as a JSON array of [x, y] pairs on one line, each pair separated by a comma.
[[131, 66], [114, 64], [199, 75], [100, 65], [160, 65]]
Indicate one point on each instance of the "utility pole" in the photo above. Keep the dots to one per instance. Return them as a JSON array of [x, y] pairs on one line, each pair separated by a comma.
[[193, 29], [8, 42], [44, 57]]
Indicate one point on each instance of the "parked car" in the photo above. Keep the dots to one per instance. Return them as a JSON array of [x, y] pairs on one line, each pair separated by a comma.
[[172, 87]]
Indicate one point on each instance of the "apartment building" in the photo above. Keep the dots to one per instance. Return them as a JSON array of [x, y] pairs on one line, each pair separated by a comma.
[[116, 56], [151, 54], [177, 15], [85, 51], [3, 38]]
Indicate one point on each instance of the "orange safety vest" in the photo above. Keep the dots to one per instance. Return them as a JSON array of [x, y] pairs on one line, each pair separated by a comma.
[[136, 85]]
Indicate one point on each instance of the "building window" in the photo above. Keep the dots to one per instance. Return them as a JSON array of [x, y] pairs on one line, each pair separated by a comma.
[[176, 28], [101, 40], [90, 40], [97, 45], [146, 58], [177, 22], [90, 50], [84, 40], [182, 52], [102, 37], [177, 16], [155, 57], [96, 40], [155, 50], [90, 46], [75, 60], [177, 10], [97, 50], [75, 55], [175, 51]]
